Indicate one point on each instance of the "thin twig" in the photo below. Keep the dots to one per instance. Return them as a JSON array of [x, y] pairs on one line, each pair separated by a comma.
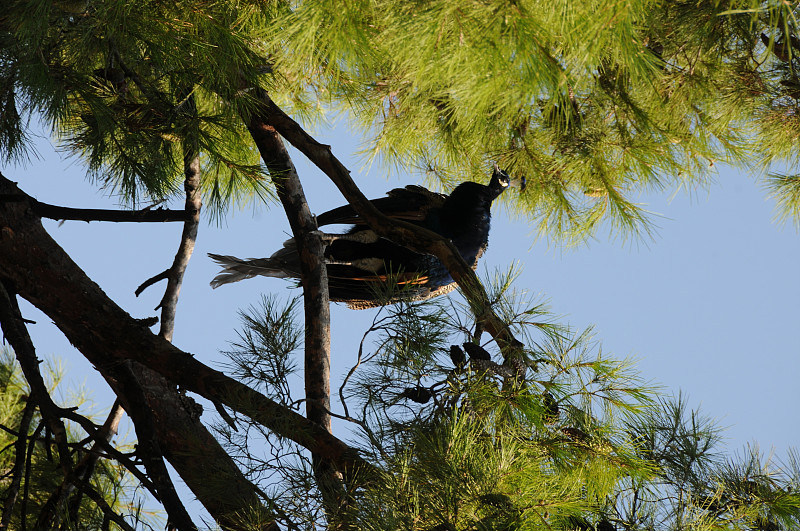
[[150, 281], [359, 360], [92, 494], [159, 215], [19, 462]]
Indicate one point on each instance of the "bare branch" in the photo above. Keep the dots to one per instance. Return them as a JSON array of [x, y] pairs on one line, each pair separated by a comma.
[[150, 281], [314, 278], [191, 184], [45, 210]]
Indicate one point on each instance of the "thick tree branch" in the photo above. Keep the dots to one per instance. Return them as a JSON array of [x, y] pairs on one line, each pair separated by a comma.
[[407, 234], [44, 210], [147, 444], [316, 302], [46, 276]]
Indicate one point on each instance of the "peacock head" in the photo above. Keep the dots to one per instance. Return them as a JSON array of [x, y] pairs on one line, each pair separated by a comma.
[[499, 182]]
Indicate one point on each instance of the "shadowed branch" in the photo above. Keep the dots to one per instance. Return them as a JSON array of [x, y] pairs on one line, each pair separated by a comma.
[[316, 301], [45, 210], [105, 334]]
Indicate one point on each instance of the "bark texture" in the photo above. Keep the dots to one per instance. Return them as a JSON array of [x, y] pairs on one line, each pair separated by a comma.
[[316, 302]]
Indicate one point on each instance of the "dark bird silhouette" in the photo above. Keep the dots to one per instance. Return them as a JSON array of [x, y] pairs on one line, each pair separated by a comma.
[[420, 395], [477, 352], [457, 356], [361, 264]]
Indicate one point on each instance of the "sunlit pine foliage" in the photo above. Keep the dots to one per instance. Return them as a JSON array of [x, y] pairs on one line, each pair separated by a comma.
[[41, 474]]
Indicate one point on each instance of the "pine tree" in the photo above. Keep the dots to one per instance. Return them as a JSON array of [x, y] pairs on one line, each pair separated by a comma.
[[592, 102]]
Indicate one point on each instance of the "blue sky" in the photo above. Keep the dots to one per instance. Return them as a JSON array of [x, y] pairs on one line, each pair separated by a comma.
[[708, 307]]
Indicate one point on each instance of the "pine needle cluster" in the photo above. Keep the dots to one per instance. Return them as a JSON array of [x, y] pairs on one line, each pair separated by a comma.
[[42, 478], [461, 442], [592, 102]]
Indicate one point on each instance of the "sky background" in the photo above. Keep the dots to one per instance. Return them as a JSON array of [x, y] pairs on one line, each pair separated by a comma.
[[708, 307]]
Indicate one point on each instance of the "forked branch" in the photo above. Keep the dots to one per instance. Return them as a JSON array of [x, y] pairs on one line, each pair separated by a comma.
[[106, 335]]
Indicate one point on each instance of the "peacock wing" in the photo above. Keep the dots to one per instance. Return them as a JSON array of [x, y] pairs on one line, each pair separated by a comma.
[[411, 203]]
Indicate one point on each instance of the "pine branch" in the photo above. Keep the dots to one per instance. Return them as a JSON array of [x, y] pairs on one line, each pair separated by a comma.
[[316, 305], [106, 335], [23, 347], [45, 210]]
